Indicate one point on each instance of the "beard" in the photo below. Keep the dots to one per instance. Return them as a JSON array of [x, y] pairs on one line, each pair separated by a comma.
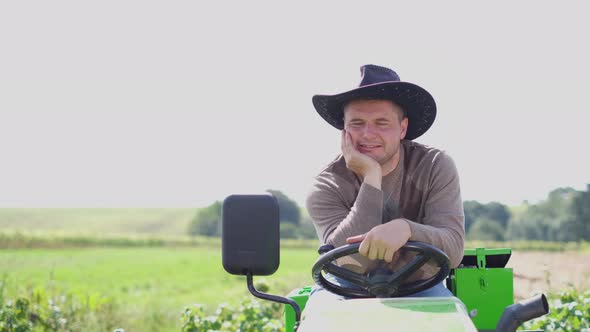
[[388, 160]]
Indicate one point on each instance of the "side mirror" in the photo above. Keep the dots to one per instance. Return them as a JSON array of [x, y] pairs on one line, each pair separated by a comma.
[[250, 241], [250, 234]]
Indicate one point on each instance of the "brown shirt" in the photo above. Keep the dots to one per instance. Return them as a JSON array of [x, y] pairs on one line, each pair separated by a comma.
[[423, 189]]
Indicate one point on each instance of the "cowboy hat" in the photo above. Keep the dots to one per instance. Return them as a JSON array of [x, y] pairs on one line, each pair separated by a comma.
[[382, 83]]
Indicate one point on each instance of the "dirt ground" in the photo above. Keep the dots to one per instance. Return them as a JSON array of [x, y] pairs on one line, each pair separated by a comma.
[[536, 272]]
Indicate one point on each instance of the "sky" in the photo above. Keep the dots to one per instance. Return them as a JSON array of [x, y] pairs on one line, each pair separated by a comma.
[[181, 103]]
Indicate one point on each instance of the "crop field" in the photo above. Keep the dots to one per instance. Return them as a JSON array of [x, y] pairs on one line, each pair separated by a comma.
[[136, 269], [149, 286], [536, 271], [98, 221]]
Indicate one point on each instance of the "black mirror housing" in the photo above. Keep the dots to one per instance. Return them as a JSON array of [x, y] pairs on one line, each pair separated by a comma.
[[250, 237]]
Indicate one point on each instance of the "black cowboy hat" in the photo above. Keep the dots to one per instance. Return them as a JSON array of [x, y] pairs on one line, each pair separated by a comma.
[[382, 83]]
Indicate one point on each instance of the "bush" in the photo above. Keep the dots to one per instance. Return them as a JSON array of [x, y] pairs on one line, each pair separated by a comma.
[[288, 209], [288, 231], [55, 314], [250, 316], [306, 229], [15, 317], [486, 229], [569, 311], [207, 221]]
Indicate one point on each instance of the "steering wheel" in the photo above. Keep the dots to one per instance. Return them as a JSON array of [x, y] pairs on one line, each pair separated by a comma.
[[382, 282]]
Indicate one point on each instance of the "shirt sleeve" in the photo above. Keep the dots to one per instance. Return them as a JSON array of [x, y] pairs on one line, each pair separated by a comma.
[[334, 217], [443, 224]]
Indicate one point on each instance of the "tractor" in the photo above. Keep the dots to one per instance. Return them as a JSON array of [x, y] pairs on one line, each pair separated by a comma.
[[381, 300]]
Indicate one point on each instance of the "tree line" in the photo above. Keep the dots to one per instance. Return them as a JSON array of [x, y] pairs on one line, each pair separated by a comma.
[[564, 216], [295, 224]]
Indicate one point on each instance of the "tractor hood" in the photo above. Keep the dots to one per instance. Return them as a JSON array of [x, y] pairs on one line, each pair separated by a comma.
[[391, 314]]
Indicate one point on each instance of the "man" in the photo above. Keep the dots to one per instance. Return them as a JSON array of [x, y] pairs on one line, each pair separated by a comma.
[[385, 189]]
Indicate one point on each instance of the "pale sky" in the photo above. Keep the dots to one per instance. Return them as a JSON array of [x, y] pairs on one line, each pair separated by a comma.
[[180, 103]]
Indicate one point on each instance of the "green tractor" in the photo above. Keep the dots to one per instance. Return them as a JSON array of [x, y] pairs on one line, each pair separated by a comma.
[[381, 300]]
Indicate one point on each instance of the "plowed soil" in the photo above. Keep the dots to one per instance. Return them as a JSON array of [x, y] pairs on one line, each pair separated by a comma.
[[536, 272]]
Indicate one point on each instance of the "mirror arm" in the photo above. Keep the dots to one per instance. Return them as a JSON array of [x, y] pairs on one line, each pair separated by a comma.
[[274, 298]]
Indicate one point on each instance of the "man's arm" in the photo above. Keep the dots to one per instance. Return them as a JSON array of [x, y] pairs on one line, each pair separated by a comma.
[[328, 204], [444, 221], [330, 201], [442, 225]]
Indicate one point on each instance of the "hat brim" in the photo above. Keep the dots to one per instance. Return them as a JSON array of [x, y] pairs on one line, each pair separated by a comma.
[[417, 103]]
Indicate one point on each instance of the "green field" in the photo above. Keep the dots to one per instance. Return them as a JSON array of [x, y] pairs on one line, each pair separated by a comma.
[[138, 261], [149, 286], [137, 269], [98, 221]]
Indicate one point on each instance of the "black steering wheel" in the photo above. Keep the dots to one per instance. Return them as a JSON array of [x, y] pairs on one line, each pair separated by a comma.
[[382, 282]]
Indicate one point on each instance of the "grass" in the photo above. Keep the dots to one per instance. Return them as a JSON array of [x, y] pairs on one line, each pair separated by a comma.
[[145, 288], [98, 221], [87, 227], [150, 286], [141, 262], [20, 240], [531, 245]]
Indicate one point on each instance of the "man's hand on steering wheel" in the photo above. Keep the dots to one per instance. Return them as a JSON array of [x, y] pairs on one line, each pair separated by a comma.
[[383, 241], [381, 282]]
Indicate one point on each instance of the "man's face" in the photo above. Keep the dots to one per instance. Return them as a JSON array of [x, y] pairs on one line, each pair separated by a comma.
[[376, 128]]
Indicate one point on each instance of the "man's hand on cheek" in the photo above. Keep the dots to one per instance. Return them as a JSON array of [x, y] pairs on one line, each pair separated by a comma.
[[364, 166]]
